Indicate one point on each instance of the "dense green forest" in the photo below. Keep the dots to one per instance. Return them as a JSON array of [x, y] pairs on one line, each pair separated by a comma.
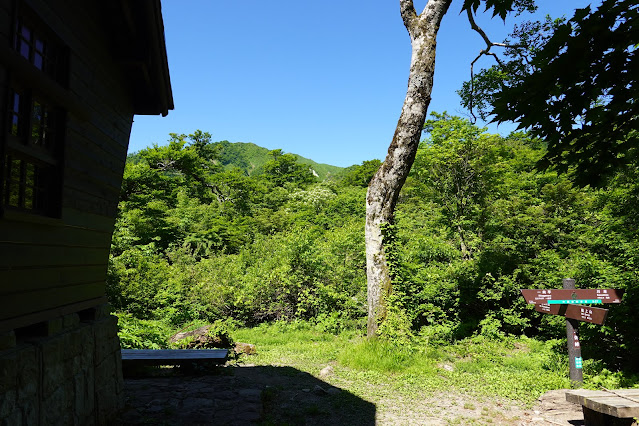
[[207, 231]]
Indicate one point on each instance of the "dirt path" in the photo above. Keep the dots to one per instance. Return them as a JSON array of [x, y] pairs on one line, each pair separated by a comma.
[[242, 395]]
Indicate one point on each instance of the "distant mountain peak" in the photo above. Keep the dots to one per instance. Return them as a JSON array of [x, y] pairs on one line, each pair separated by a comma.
[[251, 158]]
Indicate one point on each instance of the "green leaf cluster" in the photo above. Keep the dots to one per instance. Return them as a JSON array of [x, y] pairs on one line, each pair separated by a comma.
[[574, 84]]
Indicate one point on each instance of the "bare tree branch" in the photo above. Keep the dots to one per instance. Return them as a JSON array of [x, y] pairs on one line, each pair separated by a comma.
[[483, 52], [407, 9], [435, 10]]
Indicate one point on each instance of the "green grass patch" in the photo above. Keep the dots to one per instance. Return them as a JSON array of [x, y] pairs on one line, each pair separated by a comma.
[[519, 369], [377, 355]]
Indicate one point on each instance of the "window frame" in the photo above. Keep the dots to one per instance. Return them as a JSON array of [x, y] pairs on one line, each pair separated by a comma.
[[35, 145]]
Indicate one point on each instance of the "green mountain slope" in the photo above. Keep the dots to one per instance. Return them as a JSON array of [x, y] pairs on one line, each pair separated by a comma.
[[251, 158]]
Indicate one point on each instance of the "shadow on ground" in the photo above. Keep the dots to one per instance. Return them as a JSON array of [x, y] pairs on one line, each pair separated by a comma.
[[240, 395]]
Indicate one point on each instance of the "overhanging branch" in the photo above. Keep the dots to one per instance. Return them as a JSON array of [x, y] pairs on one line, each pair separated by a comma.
[[483, 52]]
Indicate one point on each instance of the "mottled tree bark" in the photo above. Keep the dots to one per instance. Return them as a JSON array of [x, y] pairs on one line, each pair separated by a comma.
[[384, 188]]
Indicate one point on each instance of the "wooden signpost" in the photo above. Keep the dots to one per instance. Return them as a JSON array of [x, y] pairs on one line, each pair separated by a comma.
[[580, 313], [567, 295], [569, 302]]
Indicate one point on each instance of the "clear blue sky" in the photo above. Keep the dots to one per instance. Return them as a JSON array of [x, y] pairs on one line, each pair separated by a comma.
[[322, 79]]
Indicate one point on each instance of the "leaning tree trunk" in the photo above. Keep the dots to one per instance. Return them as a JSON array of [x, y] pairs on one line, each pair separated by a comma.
[[384, 188]]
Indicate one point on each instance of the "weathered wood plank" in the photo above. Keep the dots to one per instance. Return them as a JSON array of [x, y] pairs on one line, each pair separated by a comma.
[[82, 219], [81, 181], [173, 354], [613, 406], [594, 418], [5, 21], [622, 403], [21, 280], [5, 6], [24, 320], [28, 232], [578, 395], [85, 150], [19, 304], [88, 134], [90, 176], [140, 357], [27, 255], [90, 203]]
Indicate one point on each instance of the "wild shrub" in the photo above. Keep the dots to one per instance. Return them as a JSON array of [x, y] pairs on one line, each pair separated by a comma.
[[137, 333]]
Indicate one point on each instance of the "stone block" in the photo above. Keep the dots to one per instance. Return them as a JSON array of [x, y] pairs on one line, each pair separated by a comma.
[[28, 376], [53, 407], [90, 382], [67, 350], [84, 401], [7, 340], [8, 403], [54, 326], [105, 332], [12, 419], [8, 371], [30, 414], [106, 385], [88, 420], [52, 377], [105, 371], [77, 364], [27, 357], [76, 341], [104, 348], [119, 377], [107, 404], [88, 345], [102, 311], [68, 385], [52, 350], [70, 321]]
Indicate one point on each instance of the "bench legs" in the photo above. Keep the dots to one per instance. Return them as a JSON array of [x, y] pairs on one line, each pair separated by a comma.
[[595, 418]]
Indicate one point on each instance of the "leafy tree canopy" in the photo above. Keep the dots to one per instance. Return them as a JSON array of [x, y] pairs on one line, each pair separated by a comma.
[[361, 175], [284, 168], [573, 84]]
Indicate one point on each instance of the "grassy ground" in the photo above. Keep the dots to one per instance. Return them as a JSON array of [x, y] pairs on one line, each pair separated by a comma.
[[518, 369]]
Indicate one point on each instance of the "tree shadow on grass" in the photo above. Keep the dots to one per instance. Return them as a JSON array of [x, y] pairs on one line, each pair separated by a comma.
[[291, 396], [264, 395]]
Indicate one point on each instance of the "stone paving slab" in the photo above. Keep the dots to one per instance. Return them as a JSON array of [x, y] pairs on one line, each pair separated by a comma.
[[192, 400]]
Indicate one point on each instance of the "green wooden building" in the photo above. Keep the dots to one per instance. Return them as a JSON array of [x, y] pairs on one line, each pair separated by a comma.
[[73, 73]]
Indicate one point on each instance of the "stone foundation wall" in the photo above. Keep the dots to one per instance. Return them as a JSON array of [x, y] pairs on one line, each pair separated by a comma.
[[66, 371]]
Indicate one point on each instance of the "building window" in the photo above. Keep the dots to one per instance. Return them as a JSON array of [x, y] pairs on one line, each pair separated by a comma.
[[35, 45], [32, 166], [14, 113], [31, 160], [25, 184]]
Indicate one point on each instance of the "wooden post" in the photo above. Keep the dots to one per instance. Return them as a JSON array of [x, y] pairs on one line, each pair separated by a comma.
[[574, 347]]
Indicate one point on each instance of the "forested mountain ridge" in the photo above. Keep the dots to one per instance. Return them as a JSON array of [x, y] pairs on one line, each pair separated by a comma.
[[251, 158]]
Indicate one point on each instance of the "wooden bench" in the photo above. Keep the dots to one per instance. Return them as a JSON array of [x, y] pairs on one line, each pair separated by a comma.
[[144, 357], [607, 407]]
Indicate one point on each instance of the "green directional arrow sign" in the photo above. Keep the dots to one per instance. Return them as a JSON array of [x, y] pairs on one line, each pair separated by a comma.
[[574, 301], [606, 295]]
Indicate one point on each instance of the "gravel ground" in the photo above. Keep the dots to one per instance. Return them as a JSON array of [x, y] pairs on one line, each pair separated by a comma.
[[247, 394]]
